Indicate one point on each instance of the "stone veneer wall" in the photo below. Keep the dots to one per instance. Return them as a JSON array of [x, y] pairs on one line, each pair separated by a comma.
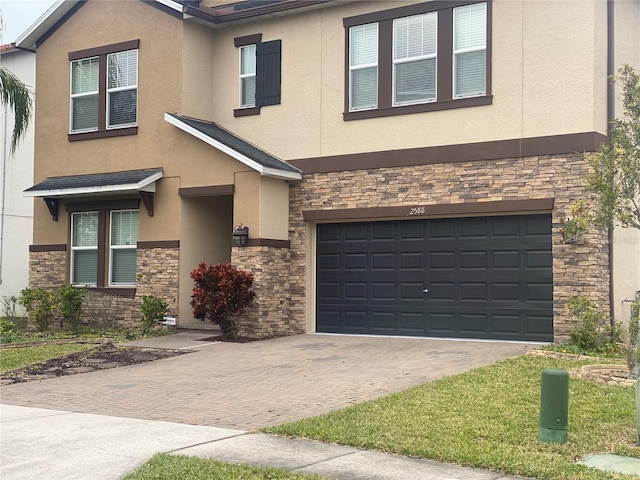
[[159, 268], [47, 269], [159, 273], [578, 269], [269, 316]]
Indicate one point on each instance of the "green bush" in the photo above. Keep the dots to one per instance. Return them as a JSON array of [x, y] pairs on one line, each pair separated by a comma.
[[70, 300], [633, 347], [40, 305], [153, 310], [593, 333], [8, 331]]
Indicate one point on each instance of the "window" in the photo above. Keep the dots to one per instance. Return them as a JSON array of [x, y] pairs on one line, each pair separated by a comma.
[[259, 72], [414, 59], [363, 66], [248, 76], [417, 58], [104, 91], [90, 250]]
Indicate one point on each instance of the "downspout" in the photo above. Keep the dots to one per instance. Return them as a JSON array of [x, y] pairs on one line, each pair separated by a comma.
[[611, 112]]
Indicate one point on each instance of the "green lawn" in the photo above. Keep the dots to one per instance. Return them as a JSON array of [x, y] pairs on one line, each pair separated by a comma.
[[14, 358], [176, 467], [488, 418]]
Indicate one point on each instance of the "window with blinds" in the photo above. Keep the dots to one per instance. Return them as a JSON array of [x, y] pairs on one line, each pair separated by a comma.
[[414, 58], [122, 246], [122, 89], [469, 50], [84, 248], [248, 76], [84, 94], [363, 66]]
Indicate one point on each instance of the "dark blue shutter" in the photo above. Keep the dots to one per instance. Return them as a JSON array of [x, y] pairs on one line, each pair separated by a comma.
[[268, 67]]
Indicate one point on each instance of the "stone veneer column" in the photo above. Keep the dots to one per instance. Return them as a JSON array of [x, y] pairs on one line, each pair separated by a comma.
[[47, 269], [158, 275], [269, 315], [579, 269]]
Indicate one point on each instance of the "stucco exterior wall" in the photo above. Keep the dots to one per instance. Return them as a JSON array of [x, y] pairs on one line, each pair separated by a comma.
[[16, 172], [535, 46]]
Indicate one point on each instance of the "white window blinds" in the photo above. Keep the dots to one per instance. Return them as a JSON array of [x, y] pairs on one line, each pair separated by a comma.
[[363, 66], [469, 50], [122, 88], [123, 244], [248, 76], [84, 94], [84, 248], [414, 58]]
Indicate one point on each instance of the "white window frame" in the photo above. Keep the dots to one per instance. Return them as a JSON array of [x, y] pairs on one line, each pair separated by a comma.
[[112, 247], [460, 51], [417, 58], [363, 66], [120, 89], [246, 75], [75, 249], [79, 95]]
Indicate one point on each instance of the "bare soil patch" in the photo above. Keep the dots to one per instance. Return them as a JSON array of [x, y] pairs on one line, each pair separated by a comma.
[[102, 357]]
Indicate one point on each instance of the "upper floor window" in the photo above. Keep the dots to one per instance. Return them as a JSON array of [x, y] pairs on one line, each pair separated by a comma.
[[259, 72], [417, 58], [104, 91]]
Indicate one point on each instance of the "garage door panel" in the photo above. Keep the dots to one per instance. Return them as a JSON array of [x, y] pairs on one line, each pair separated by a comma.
[[487, 277]]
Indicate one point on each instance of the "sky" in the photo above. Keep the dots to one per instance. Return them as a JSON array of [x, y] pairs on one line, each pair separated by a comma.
[[19, 15]]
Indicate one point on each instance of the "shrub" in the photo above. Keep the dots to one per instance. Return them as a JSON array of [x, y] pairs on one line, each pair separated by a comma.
[[221, 293], [8, 331], [594, 332], [40, 306], [153, 309], [70, 300], [9, 304], [102, 310]]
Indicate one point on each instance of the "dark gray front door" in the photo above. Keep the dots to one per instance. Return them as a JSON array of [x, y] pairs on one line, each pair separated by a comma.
[[479, 277]]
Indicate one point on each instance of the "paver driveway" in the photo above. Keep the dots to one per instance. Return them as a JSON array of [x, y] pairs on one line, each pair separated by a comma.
[[251, 385]]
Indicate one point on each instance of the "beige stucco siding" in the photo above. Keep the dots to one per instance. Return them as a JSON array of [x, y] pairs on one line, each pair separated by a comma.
[[197, 65], [548, 75]]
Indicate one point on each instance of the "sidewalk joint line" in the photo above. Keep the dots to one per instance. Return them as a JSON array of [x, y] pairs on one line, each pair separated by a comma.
[[201, 345], [326, 460], [207, 442]]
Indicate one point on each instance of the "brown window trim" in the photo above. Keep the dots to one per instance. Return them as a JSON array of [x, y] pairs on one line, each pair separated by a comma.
[[102, 52], [247, 40], [445, 100], [127, 292], [246, 112]]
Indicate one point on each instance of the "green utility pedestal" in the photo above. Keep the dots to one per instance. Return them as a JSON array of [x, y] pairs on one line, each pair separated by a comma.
[[554, 405]]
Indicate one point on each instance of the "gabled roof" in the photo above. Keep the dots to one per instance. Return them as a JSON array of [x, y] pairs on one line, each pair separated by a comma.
[[188, 10], [234, 146], [131, 180]]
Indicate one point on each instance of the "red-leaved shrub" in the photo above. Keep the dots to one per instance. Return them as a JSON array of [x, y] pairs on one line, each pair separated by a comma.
[[221, 293]]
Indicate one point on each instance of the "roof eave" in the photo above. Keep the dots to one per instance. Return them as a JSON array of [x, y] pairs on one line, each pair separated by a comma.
[[266, 171]]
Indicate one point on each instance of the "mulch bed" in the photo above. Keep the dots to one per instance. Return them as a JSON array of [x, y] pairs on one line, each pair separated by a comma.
[[102, 357]]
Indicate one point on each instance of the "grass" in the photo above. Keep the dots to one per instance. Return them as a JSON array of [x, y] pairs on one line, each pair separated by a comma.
[[176, 467], [12, 359], [488, 418]]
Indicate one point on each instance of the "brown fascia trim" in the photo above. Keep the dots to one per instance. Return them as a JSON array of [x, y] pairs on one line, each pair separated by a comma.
[[114, 132], [533, 205], [163, 8], [267, 242], [60, 247], [246, 112], [515, 148], [104, 50], [247, 40], [213, 15], [208, 191], [149, 245], [124, 204]]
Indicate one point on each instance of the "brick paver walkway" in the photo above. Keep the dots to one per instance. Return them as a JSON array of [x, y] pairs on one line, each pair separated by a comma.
[[251, 385]]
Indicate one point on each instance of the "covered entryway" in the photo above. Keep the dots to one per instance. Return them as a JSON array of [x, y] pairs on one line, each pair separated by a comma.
[[477, 277]]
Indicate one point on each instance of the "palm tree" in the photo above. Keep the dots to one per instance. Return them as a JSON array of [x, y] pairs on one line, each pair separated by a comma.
[[15, 94]]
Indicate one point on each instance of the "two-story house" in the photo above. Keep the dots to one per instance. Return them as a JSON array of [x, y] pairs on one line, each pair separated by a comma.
[[403, 167], [16, 174]]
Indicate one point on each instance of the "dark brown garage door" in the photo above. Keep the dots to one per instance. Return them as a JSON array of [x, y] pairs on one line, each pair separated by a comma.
[[480, 277]]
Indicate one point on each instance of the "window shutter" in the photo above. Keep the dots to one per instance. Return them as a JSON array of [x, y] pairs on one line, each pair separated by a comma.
[[268, 72]]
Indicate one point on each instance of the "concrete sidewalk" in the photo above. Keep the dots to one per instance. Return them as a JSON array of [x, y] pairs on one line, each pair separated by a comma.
[[59, 445]]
